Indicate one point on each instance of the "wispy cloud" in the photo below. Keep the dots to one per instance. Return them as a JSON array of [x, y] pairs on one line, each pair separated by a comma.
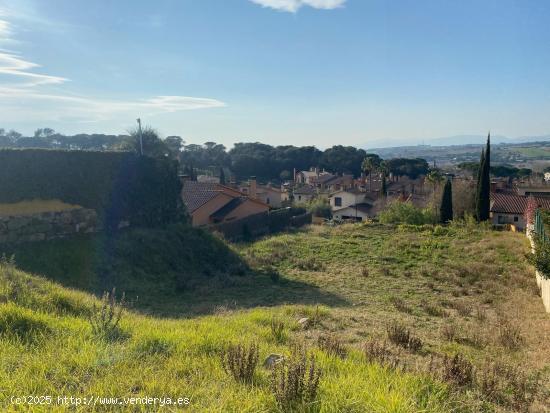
[[28, 95], [18, 68], [293, 6], [20, 104]]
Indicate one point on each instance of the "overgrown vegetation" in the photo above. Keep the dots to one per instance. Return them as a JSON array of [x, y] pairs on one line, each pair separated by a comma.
[[177, 344], [240, 361], [295, 382], [398, 212]]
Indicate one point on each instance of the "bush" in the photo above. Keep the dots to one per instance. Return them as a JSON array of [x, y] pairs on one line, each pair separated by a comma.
[[509, 335], [240, 361], [399, 212], [508, 385], [320, 208], [118, 185], [105, 318], [540, 259], [458, 370], [401, 336], [381, 353], [295, 381], [333, 346]]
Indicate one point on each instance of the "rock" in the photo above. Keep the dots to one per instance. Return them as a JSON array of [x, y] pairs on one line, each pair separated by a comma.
[[271, 360], [304, 322]]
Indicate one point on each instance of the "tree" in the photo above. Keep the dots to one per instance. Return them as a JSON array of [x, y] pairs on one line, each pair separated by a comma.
[[383, 188], [446, 208], [13, 135], [174, 145], [370, 164], [435, 178], [483, 190], [153, 146], [222, 176], [412, 168]]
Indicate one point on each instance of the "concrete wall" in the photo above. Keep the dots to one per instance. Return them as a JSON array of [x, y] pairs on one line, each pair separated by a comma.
[[543, 283], [47, 225]]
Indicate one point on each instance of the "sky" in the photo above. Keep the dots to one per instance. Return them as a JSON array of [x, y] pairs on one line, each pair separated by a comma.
[[302, 72]]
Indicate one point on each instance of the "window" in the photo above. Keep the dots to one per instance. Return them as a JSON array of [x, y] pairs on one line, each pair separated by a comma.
[[299, 197], [267, 201], [516, 219], [337, 201]]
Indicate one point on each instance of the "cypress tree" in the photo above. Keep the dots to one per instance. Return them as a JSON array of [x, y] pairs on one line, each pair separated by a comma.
[[484, 184], [222, 176], [446, 208]]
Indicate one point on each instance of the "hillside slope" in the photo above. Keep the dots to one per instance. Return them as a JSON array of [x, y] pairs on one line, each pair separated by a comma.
[[459, 290]]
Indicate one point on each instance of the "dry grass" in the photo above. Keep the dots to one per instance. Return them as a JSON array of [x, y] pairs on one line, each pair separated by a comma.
[[35, 206]]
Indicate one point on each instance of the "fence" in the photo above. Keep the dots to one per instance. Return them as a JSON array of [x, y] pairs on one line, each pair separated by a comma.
[[539, 229], [262, 223]]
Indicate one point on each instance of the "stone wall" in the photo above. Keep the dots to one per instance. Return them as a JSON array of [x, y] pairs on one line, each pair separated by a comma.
[[47, 225]]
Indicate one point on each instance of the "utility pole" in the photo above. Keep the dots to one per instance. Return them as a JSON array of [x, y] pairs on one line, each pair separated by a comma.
[[140, 136]]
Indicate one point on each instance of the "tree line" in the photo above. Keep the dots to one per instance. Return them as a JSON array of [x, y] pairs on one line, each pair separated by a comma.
[[245, 159]]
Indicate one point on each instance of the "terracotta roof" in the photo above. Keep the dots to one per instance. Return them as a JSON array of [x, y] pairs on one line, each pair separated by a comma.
[[514, 204], [195, 194]]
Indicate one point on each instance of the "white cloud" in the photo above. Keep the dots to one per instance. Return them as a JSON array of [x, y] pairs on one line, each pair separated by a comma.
[[26, 95], [27, 104], [293, 6], [13, 65]]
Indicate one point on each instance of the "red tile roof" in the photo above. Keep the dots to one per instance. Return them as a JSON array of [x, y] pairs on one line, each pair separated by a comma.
[[514, 204]]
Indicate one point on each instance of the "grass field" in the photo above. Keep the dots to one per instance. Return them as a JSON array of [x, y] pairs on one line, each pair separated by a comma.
[[456, 290]]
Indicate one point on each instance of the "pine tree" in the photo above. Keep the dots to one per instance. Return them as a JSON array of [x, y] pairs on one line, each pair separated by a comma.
[[446, 208], [383, 189], [222, 176], [484, 184]]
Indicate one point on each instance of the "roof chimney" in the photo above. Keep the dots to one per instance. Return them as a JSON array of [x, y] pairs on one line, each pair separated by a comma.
[[252, 182]]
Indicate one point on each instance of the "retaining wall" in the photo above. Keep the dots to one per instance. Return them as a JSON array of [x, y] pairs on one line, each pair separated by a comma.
[[543, 283], [47, 225]]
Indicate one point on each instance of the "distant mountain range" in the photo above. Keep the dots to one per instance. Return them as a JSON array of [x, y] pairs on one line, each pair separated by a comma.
[[454, 140]]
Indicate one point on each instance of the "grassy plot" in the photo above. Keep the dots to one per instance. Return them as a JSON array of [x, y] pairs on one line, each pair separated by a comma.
[[398, 320]]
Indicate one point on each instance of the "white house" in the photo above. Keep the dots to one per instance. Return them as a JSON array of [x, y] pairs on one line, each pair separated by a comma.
[[351, 204]]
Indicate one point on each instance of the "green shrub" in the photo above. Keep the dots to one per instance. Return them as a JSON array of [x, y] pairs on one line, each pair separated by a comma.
[[541, 257], [118, 185], [320, 208], [105, 318], [240, 361], [295, 381], [398, 212]]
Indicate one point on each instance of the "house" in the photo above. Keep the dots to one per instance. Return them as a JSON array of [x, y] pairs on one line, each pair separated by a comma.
[[211, 203], [331, 183], [356, 212], [266, 193], [304, 194], [351, 204], [307, 177], [508, 209]]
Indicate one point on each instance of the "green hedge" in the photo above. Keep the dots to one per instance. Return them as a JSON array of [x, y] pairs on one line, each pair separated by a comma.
[[118, 185]]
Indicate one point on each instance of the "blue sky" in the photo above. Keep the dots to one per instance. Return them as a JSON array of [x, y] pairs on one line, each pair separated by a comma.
[[320, 72]]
